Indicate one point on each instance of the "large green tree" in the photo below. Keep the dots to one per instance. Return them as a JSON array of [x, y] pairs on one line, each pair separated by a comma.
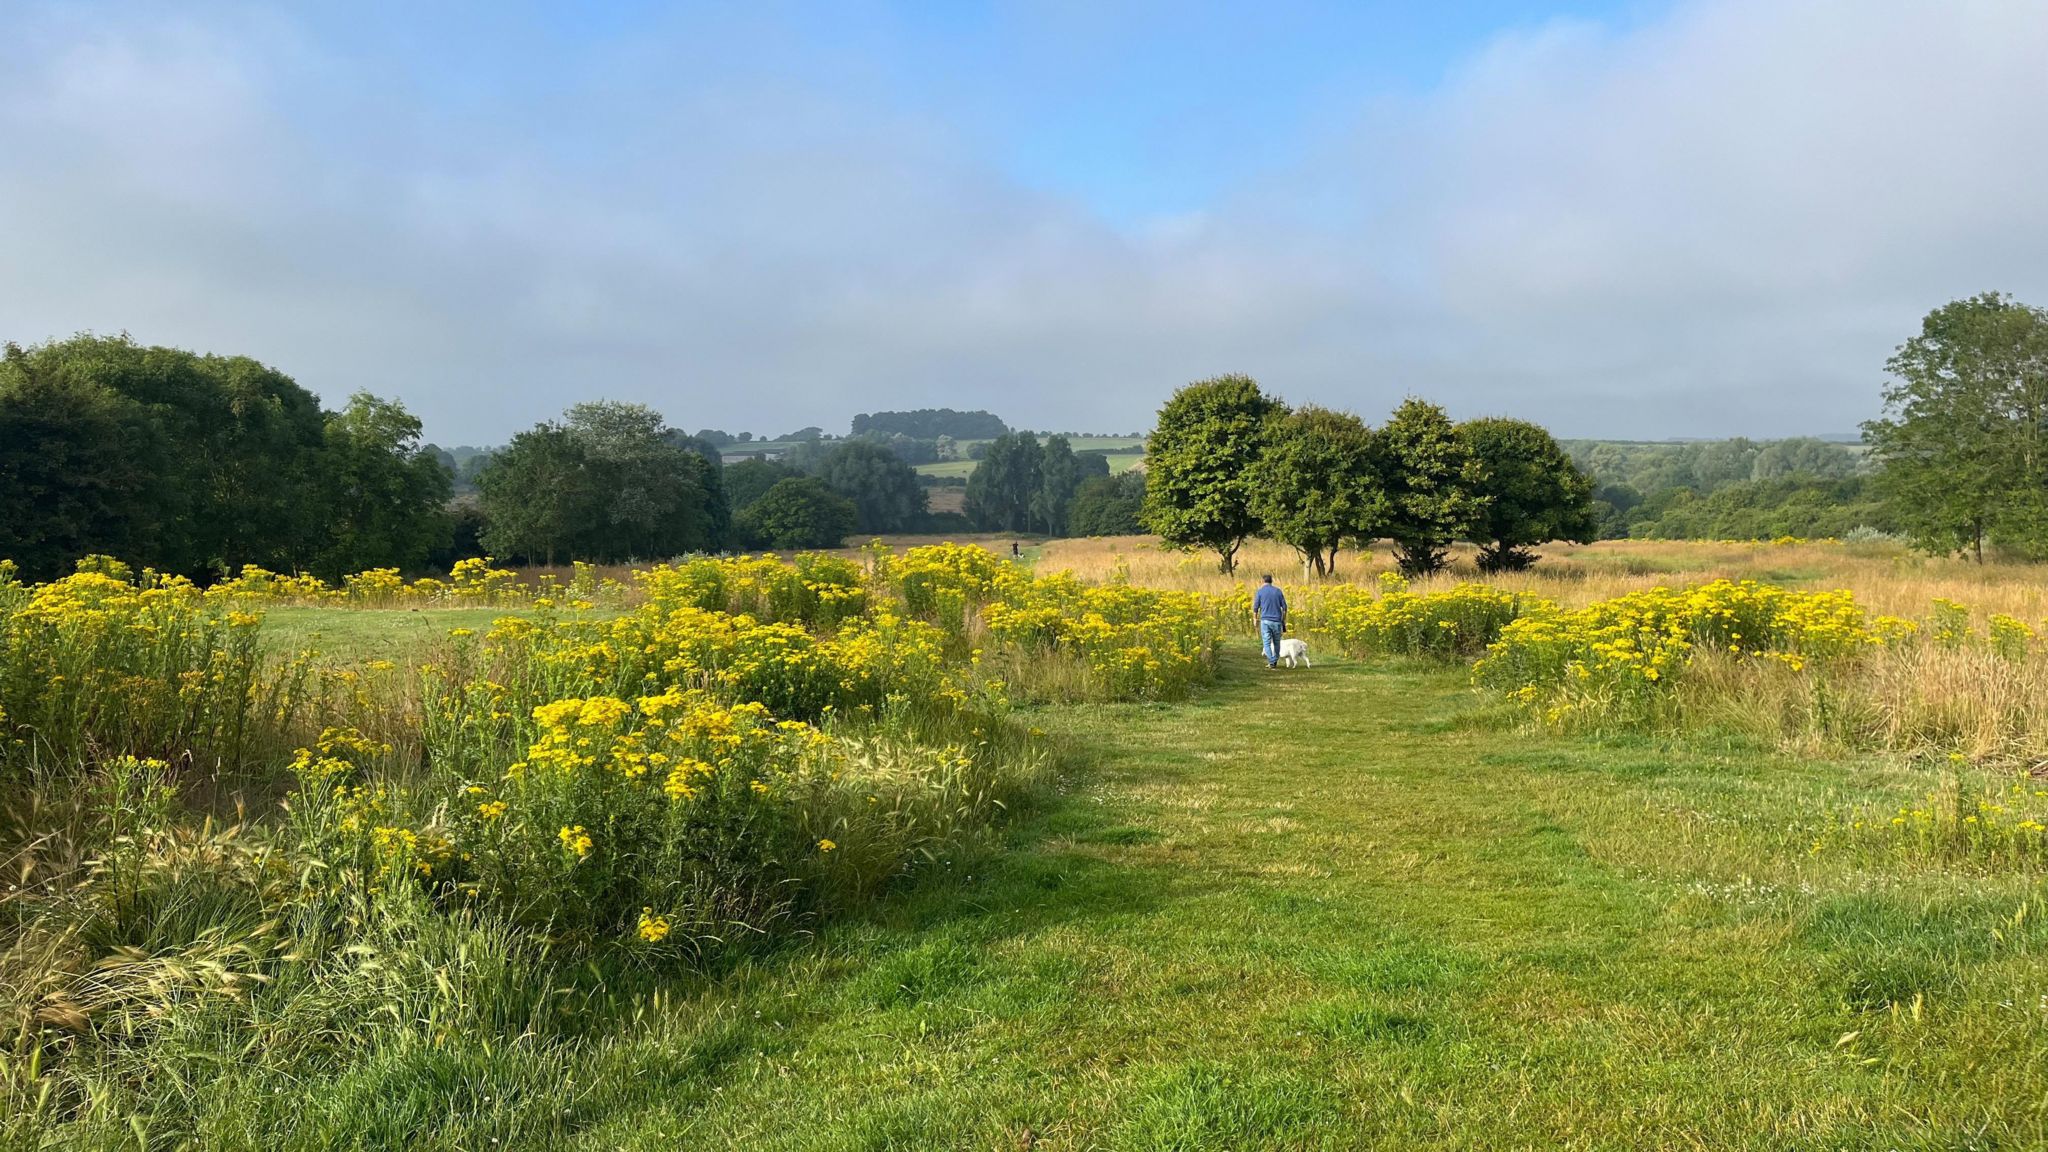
[[1108, 506], [1432, 485], [387, 495], [81, 471], [1060, 474], [1198, 463], [886, 493], [800, 512], [171, 459], [1002, 490], [1317, 485], [539, 492], [1533, 492], [1963, 443], [656, 496]]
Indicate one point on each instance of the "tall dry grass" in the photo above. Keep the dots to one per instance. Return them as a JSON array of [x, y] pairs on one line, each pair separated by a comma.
[[1885, 577]]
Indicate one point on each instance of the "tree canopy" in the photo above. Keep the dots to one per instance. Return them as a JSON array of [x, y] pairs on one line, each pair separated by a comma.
[[198, 464], [931, 423], [1532, 491], [886, 493], [609, 483], [1198, 463], [800, 512], [1002, 490], [1964, 438], [1316, 485], [1432, 485], [388, 494], [1108, 506]]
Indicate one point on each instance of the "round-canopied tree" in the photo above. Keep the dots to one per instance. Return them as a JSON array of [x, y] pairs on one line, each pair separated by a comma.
[[800, 512], [1317, 485], [1534, 493], [1198, 462], [1432, 485]]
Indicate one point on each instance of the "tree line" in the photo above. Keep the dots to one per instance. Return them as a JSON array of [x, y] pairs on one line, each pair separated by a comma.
[[199, 464], [1226, 463]]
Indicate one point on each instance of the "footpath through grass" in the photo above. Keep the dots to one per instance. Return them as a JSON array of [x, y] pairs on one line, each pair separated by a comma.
[[1332, 909]]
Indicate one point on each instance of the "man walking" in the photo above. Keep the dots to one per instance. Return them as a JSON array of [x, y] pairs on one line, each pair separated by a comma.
[[1270, 606]]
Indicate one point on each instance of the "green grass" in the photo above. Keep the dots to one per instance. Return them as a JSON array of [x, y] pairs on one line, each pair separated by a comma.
[[354, 634], [1336, 908]]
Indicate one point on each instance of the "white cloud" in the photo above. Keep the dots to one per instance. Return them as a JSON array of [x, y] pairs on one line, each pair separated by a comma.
[[1717, 222]]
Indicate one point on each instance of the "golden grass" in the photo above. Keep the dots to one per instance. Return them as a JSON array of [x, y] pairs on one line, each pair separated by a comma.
[[1885, 577]]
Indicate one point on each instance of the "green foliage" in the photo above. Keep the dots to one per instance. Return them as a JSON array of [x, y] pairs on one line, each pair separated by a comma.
[[1533, 492], [537, 495], [718, 506], [388, 494], [931, 424], [750, 479], [1760, 510], [1198, 462], [886, 493], [1709, 465], [1108, 506], [196, 464], [1432, 484], [1061, 473], [1964, 439], [655, 498], [800, 512], [1003, 491], [608, 484], [1316, 485]]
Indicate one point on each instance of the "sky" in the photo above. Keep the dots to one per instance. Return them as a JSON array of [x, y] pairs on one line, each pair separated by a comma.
[[1624, 219]]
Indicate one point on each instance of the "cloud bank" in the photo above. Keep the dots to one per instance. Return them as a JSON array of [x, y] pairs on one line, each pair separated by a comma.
[[1718, 221]]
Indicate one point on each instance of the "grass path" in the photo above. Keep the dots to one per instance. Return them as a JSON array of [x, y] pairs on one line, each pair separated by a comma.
[[1329, 909]]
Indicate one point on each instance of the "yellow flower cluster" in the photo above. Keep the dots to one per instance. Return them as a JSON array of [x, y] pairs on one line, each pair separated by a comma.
[[470, 582], [101, 660], [1462, 621], [653, 929], [816, 590], [1640, 642], [1132, 643]]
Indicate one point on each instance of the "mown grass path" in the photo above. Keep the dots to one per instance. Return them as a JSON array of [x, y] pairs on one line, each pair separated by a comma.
[[1329, 909]]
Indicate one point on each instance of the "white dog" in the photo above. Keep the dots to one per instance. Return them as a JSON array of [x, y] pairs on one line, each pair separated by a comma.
[[1292, 650]]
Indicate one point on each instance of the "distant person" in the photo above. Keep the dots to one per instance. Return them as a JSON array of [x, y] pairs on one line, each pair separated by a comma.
[[1014, 552], [1270, 607]]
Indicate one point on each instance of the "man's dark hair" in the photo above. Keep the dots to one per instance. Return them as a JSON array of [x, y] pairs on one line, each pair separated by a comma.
[[1268, 577]]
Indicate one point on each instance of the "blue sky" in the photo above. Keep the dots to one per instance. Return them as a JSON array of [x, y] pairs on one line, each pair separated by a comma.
[[1692, 217]]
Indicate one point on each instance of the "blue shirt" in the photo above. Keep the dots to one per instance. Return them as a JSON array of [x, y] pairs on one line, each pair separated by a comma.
[[1268, 603]]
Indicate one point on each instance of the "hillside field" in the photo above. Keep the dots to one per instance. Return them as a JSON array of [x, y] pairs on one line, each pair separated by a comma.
[[1124, 453]]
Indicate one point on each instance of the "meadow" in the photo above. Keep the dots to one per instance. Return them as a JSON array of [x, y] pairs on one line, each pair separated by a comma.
[[1718, 845]]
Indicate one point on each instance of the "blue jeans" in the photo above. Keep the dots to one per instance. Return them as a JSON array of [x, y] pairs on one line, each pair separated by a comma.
[[1269, 638]]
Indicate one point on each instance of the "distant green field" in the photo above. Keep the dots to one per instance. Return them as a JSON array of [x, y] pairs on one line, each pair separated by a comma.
[[1124, 454]]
